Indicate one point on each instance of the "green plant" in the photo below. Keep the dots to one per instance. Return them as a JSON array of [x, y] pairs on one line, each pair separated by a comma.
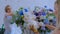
[[2, 30]]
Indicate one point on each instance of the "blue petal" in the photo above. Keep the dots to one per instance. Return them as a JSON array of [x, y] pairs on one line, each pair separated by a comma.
[[26, 10], [46, 21], [36, 14], [21, 12], [51, 10], [43, 13], [45, 6]]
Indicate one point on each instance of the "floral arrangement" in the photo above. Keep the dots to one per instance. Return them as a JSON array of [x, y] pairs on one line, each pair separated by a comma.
[[18, 17], [46, 16]]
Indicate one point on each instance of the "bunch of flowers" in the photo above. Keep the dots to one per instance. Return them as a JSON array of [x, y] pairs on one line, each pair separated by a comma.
[[18, 17], [45, 16]]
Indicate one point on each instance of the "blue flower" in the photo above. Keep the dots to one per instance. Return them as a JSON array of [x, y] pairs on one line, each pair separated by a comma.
[[26, 10], [50, 10], [21, 12], [43, 13], [36, 14], [45, 6], [46, 21]]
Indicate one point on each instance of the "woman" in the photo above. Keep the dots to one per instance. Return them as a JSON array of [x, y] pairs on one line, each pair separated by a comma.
[[10, 28], [7, 19], [57, 8], [56, 30]]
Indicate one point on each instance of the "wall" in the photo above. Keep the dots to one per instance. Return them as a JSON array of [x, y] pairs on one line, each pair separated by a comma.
[[15, 4]]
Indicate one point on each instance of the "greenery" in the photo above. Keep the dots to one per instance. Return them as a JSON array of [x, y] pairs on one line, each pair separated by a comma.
[[2, 30], [18, 18]]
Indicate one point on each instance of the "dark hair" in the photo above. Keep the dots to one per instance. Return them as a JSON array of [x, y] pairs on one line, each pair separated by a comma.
[[6, 8]]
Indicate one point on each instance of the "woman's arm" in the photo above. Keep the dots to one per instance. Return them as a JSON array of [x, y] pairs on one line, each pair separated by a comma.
[[50, 27], [9, 14]]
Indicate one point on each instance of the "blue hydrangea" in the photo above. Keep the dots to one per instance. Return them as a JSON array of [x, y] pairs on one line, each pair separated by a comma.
[[43, 13], [46, 21], [26, 10], [21, 12]]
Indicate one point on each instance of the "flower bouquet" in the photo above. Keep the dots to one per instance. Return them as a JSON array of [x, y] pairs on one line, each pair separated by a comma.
[[18, 17], [43, 16]]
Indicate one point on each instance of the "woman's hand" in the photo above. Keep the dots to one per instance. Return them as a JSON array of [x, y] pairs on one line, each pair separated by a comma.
[[50, 27]]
